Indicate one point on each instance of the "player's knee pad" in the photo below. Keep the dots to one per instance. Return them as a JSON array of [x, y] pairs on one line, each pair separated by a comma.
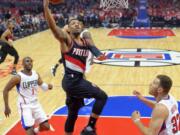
[[101, 99], [102, 95], [74, 103]]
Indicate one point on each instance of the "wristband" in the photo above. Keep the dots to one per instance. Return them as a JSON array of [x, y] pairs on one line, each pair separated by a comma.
[[136, 120]]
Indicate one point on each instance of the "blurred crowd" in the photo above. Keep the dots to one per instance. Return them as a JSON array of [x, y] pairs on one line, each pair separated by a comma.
[[28, 14], [90, 13], [164, 13]]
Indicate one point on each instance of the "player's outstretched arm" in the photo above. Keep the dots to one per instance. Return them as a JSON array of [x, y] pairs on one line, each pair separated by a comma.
[[148, 102], [13, 82], [95, 51], [44, 86], [159, 115], [57, 32]]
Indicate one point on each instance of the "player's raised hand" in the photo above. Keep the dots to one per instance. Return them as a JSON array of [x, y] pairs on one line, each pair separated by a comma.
[[136, 116], [102, 57], [7, 111], [138, 94]]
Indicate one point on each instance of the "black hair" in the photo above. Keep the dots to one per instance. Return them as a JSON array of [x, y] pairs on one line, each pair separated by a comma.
[[165, 82]]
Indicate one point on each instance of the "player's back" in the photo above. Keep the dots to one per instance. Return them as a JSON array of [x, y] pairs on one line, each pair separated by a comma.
[[172, 123], [27, 89]]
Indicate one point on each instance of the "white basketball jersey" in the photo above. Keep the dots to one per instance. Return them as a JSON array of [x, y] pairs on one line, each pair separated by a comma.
[[27, 89], [172, 124]]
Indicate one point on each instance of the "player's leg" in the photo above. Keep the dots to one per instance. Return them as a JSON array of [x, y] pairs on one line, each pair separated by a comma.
[[41, 118], [30, 131], [27, 120], [44, 126], [3, 51], [73, 104], [86, 89], [2, 56], [13, 52]]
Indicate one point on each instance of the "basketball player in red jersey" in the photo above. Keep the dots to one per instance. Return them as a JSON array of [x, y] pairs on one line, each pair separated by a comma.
[[75, 51], [7, 46]]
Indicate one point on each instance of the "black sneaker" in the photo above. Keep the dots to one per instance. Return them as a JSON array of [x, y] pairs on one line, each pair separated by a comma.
[[88, 131], [53, 71], [13, 72]]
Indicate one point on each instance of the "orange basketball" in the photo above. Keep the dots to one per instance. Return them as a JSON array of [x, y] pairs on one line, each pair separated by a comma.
[[56, 1]]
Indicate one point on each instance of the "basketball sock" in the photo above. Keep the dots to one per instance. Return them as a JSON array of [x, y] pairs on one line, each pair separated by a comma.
[[36, 130], [92, 122], [51, 128]]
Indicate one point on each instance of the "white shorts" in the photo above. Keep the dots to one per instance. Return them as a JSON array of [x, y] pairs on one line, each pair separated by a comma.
[[31, 113]]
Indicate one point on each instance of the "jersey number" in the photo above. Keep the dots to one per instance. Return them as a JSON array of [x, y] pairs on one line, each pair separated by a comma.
[[176, 123]]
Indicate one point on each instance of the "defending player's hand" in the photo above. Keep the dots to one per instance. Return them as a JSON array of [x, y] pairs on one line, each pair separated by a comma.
[[50, 86], [136, 116], [46, 3], [102, 57], [138, 94], [7, 111]]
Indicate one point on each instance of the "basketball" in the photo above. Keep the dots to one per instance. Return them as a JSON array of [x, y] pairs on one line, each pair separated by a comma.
[[56, 1]]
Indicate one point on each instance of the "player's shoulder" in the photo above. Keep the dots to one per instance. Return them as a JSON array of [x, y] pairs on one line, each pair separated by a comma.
[[160, 106], [34, 72], [161, 109], [20, 73], [16, 78]]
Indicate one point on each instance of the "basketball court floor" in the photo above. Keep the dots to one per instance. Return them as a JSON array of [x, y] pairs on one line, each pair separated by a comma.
[[135, 57]]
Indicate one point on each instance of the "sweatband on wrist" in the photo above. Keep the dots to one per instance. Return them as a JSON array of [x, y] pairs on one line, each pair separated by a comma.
[[136, 120], [44, 86]]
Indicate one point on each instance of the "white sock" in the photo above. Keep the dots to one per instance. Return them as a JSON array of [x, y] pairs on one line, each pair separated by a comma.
[[51, 128], [36, 130]]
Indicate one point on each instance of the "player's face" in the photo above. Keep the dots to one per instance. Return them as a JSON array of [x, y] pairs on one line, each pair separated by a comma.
[[75, 27], [28, 64], [154, 86]]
